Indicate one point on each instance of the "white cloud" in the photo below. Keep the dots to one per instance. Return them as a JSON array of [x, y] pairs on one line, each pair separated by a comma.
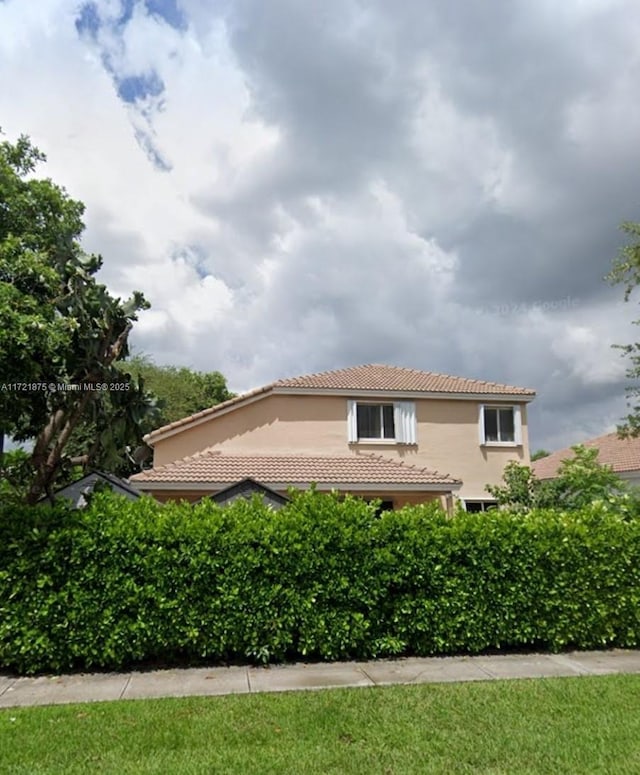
[[396, 187]]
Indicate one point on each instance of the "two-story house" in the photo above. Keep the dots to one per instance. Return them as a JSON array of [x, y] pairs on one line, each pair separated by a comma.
[[400, 435]]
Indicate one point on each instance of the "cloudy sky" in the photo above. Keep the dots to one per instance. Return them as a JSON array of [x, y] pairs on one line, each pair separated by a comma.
[[299, 186]]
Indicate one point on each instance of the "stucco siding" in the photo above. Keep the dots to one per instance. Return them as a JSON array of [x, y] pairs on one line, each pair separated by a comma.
[[447, 437], [275, 424], [449, 442]]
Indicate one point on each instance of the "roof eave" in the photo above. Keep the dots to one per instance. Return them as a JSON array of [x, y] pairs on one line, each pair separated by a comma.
[[321, 486], [441, 395], [171, 430]]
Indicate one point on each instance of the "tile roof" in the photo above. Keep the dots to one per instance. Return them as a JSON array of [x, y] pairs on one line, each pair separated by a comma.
[[212, 466], [621, 454], [362, 378], [394, 378]]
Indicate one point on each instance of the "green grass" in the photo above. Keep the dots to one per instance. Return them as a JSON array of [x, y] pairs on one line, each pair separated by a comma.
[[556, 726]]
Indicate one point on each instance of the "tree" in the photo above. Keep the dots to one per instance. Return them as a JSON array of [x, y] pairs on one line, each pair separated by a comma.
[[522, 491], [626, 271], [62, 332], [580, 481], [15, 475], [178, 392]]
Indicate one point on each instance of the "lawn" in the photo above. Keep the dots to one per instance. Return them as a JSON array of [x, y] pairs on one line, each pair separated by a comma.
[[560, 725]]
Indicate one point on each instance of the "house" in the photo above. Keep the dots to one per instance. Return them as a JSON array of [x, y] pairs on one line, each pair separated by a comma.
[[382, 432], [77, 492], [623, 455]]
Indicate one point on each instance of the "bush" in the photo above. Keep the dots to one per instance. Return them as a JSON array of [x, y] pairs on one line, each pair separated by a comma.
[[124, 583], [580, 481]]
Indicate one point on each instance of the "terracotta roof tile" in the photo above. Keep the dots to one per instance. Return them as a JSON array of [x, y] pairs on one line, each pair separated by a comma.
[[621, 454], [361, 378], [213, 466], [395, 379]]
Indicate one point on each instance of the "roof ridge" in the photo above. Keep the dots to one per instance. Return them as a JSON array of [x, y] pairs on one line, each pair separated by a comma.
[[414, 370], [324, 372], [410, 369]]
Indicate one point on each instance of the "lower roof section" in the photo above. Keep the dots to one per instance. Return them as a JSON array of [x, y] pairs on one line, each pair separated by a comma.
[[215, 469]]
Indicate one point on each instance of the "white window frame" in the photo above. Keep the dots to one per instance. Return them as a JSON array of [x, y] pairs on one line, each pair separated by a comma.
[[404, 422], [487, 505], [517, 426]]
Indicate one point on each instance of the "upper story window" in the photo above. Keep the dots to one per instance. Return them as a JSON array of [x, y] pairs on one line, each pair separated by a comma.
[[393, 422], [500, 425], [375, 421]]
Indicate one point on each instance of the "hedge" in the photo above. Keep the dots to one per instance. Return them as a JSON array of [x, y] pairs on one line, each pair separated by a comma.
[[126, 583]]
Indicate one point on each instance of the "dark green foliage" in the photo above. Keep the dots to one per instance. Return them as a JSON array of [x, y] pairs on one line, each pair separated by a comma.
[[626, 271], [130, 582], [15, 475], [175, 392], [179, 390], [539, 454], [60, 327]]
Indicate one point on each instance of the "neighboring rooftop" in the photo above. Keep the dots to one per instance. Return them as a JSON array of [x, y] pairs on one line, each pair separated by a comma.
[[623, 455], [369, 377], [214, 467]]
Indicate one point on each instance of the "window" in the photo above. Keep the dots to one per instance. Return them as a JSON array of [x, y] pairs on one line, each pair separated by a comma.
[[477, 506], [375, 421], [500, 425], [393, 422]]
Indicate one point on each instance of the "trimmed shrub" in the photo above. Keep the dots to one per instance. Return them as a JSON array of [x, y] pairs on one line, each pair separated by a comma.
[[124, 583]]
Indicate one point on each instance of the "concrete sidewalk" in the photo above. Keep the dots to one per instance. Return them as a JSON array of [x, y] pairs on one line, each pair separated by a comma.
[[206, 681]]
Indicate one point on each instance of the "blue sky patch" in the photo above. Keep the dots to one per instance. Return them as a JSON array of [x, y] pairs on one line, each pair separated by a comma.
[[154, 156], [137, 87], [88, 20], [169, 11], [127, 12]]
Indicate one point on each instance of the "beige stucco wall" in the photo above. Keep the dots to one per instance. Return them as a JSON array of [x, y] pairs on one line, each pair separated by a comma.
[[315, 425], [275, 425], [448, 441]]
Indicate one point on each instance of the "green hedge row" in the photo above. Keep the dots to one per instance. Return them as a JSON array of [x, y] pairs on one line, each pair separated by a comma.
[[130, 582]]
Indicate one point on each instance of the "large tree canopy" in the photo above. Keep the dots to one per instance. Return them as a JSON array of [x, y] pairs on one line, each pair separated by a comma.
[[178, 391], [626, 271], [62, 332]]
